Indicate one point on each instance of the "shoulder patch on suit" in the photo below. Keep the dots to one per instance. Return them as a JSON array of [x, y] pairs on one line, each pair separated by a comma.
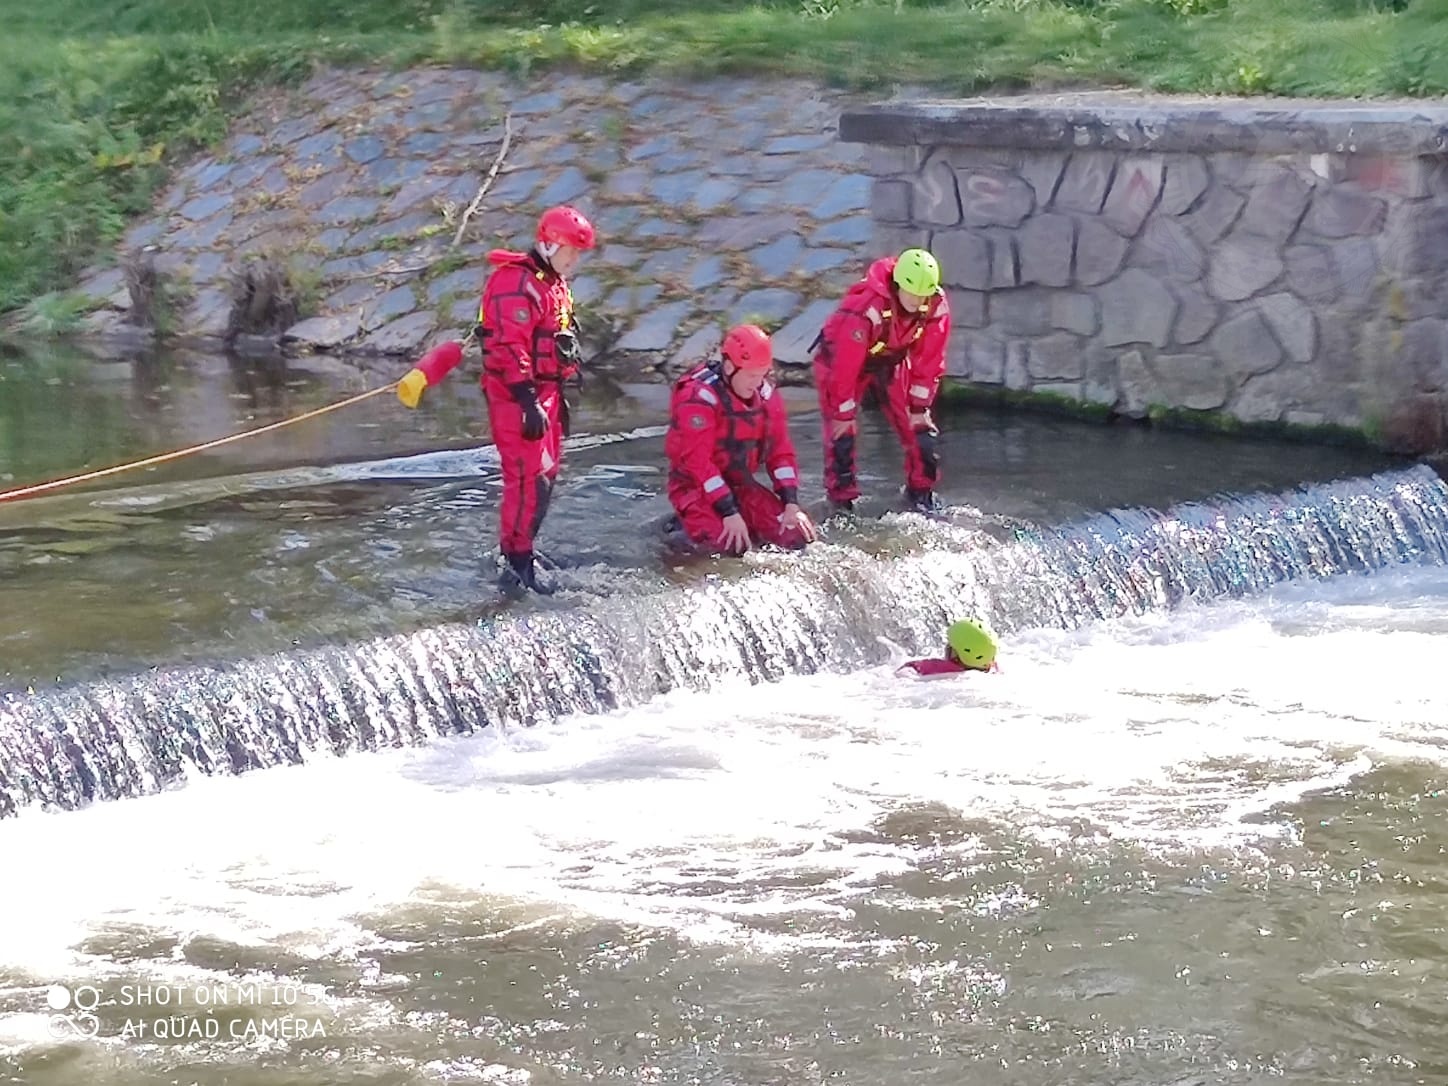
[[858, 335], [698, 422], [707, 395], [520, 314]]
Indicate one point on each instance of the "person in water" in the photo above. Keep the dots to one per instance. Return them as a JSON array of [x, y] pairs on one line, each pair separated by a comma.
[[967, 648]]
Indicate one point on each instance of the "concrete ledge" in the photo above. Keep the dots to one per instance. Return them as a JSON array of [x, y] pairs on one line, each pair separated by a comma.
[[1125, 122]]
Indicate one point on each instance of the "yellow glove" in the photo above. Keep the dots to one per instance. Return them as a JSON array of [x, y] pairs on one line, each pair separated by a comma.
[[409, 389]]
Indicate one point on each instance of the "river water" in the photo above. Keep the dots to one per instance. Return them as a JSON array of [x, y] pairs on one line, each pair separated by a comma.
[[292, 796]]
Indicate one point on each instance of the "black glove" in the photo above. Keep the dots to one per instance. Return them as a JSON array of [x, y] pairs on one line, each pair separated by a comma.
[[535, 423], [929, 454], [565, 415], [566, 347]]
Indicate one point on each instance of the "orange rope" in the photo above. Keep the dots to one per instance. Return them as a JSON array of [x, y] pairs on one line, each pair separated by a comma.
[[26, 491]]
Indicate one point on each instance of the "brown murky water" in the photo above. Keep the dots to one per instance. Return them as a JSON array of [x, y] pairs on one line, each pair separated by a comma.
[[1203, 845]]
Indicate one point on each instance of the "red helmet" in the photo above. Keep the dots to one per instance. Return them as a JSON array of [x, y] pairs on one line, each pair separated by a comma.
[[747, 346], [565, 226]]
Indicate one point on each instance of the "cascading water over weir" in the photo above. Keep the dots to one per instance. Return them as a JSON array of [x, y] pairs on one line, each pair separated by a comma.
[[833, 609]]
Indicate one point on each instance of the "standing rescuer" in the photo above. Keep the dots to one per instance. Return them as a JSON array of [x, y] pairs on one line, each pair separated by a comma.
[[525, 326], [889, 331], [726, 419]]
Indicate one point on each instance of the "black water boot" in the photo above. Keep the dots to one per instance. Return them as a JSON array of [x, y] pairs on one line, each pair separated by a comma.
[[522, 574], [922, 501]]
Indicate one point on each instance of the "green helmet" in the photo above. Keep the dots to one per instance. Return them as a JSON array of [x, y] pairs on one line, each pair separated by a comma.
[[972, 645], [917, 272]]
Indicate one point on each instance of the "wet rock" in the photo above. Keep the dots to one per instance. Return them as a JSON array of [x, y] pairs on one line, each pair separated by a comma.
[[209, 314], [714, 194], [393, 304], [677, 190], [383, 232], [202, 234], [324, 333], [657, 329], [817, 260], [365, 148], [768, 305], [698, 346], [792, 342], [706, 273], [323, 149], [513, 186], [567, 187], [102, 284], [466, 281], [779, 256], [653, 228], [395, 171], [204, 206], [745, 231], [403, 336], [649, 148], [669, 263], [323, 190], [855, 230], [349, 209]]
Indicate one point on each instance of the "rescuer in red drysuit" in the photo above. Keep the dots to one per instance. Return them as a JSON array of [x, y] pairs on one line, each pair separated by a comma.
[[525, 325], [889, 332], [726, 419]]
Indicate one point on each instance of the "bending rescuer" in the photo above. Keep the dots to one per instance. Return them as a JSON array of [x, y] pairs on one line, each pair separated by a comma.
[[888, 335]]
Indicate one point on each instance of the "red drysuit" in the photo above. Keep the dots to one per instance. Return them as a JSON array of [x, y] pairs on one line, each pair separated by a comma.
[[529, 350], [716, 442], [870, 339]]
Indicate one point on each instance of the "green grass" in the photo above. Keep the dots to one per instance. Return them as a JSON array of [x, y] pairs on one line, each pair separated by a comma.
[[98, 97]]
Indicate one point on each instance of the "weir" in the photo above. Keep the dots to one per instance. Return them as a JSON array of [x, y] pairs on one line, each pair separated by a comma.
[[832, 609]]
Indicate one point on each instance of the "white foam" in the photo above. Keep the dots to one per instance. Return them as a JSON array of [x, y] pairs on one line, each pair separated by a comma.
[[709, 814]]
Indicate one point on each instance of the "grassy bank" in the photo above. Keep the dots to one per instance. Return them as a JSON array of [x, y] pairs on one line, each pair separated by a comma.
[[98, 97]]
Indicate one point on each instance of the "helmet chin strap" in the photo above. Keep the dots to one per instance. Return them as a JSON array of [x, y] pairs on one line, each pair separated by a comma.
[[732, 371], [547, 249]]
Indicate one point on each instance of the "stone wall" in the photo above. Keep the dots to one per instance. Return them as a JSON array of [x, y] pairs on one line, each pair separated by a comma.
[[716, 201], [1277, 262]]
